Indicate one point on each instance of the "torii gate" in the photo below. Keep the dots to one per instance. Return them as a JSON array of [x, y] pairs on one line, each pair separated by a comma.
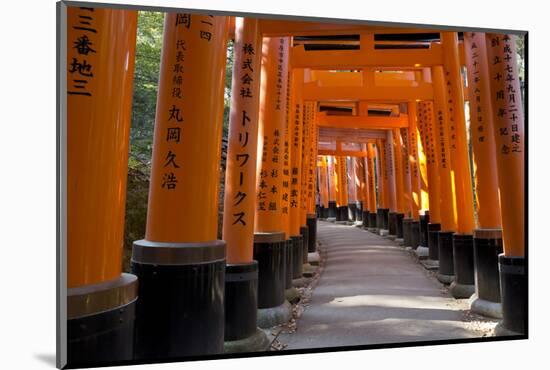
[[387, 87], [268, 247], [450, 62]]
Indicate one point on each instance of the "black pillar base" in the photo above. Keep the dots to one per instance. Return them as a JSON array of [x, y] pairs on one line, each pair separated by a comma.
[[312, 234], [180, 310], [359, 211], [332, 209], [99, 332], [324, 213], [372, 220], [352, 211], [487, 247], [513, 288], [386, 218], [297, 256], [424, 221], [317, 210], [463, 254], [446, 261], [380, 218], [407, 231], [241, 309], [344, 215], [399, 225], [304, 231], [241, 300], [365, 218], [392, 223], [415, 234], [289, 266], [269, 251], [433, 246]]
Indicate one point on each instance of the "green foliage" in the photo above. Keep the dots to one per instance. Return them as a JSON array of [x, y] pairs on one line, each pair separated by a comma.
[[148, 51], [520, 51], [227, 90], [147, 66], [136, 206]]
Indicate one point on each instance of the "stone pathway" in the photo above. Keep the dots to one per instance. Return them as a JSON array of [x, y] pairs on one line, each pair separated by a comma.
[[372, 291]]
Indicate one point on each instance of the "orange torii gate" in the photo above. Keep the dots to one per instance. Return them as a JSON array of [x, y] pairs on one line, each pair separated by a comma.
[[329, 80], [322, 165], [352, 189], [395, 87], [332, 188], [445, 147], [449, 57], [411, 167]]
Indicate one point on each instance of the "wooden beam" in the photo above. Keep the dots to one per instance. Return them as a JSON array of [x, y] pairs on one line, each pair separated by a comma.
[[367, 77], [312, 91], [332, 78], [353, 137], [347, 139], [346, 134], [363, 122], [343, 153], [337, 104], [280, 28], [357, 59], [326, 42]]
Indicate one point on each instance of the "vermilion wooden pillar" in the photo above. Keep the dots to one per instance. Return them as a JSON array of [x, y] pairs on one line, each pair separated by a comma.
[[342, 188], [180, 263], [407, 187], [463, 244], [296, 197], [413, 224], [371, 182], [488, 235], [323, 185], [241, 294], [352, 189], [413, 161], [446, 189], [383, 196], [100, 69], [508, 132], [361, 170], [423, 150], [311, 220], [429, 142], [286, 175], [407, 198], [399, 182], [269, 232], [332, 187], [307, 175]]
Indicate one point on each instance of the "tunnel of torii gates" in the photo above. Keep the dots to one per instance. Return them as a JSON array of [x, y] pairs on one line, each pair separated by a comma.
[[338, 121]]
